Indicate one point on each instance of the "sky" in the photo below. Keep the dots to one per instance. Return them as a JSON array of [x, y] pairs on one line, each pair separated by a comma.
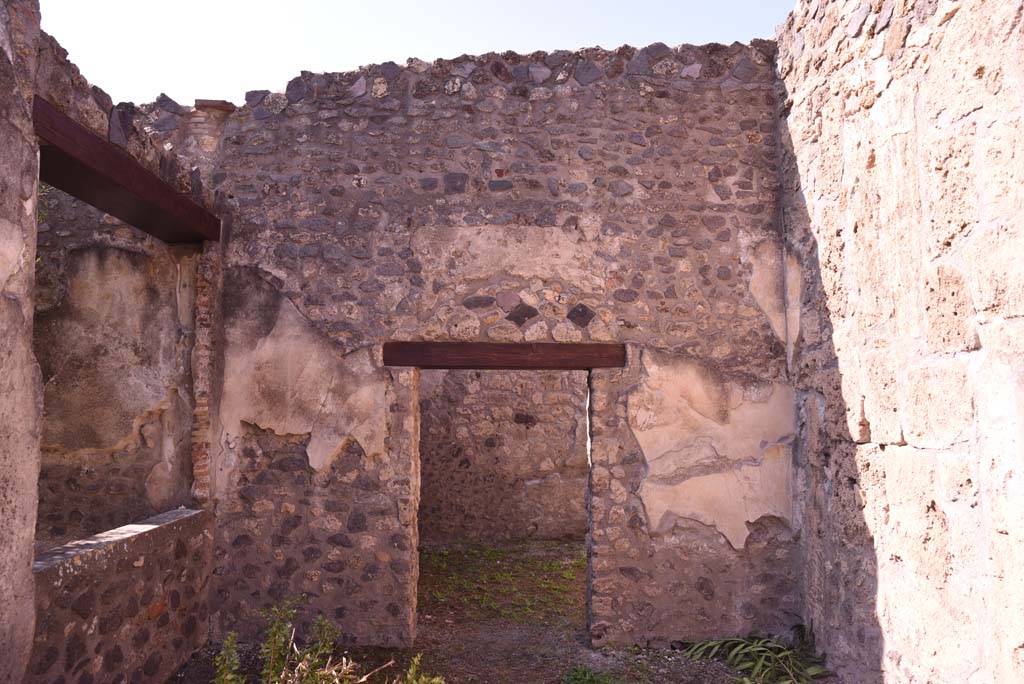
[[219, 49]]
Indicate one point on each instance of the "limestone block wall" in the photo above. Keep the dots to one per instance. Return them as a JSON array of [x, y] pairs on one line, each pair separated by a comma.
[[20, 385], [128, 604], [114, 332], [903, 168], [608, 196], [503, 455]]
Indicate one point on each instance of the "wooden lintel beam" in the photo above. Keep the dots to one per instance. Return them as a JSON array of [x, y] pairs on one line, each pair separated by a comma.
[[77, 161], [501, 356]]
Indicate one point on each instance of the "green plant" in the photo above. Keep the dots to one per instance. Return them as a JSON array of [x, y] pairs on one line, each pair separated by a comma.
[[582, 674], [287, 662], [275, 652], [763, 660], [227, 663], [414, 676]]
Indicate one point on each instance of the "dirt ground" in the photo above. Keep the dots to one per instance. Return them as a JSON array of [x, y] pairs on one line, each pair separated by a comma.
[[506, 615]]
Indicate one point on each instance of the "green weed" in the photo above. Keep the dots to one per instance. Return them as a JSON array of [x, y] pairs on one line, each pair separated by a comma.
[[584, 675], [763, 660]]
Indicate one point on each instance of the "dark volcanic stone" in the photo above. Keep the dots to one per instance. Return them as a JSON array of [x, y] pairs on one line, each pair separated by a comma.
[[152, 664], [166, 103], [455, 182], [296, 90], [478, 302], [744, 71], [620, 188], [121, 117], [525, 419], [587, 72], [340, 539], [581, 315], [254, 97], [84, 605], [498, 185], [166, 123], [113, 658], [357, 522], [521, 313]]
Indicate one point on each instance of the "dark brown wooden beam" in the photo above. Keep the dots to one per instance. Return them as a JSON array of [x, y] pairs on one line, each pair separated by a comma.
[[498, 356], [77, 161]]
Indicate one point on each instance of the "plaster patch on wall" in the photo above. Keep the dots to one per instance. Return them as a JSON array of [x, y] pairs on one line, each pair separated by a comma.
[[726, 501], [775, 284], [12, 249], [113, 335], [794, 290], [293, 381], [109, 349], [716, 452], [767, 284], [690, 422]]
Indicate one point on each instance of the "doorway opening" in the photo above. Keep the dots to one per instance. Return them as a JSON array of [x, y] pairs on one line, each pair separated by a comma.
[[504, 504], [503, 517]]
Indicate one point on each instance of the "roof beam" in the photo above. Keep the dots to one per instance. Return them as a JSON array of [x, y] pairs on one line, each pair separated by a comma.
[[77, 161], [500, 356]]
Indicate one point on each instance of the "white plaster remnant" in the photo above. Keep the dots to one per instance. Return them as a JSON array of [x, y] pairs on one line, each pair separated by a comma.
[[294, 381], [716, 452]]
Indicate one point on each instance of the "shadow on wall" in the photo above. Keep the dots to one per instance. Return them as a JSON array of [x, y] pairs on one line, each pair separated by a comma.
[[840, 568]]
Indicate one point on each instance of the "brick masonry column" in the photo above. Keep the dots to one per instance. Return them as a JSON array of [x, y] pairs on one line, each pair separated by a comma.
[[208, 314]]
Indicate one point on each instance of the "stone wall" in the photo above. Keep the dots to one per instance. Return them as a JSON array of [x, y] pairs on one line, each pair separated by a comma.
[[319, 484], [114, 331], [903, 169], [693, 527], [607, 196], [20, 386], [503, 455], [130, 604]]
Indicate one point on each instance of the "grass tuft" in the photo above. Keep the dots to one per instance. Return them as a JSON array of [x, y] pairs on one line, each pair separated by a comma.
[[582, 674], [764, 660]]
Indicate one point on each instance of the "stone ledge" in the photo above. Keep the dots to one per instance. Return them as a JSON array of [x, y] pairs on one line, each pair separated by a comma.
[[76, 551]]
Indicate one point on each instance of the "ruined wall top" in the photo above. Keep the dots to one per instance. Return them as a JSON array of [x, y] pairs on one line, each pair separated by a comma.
[[605, 195], [60, 82]]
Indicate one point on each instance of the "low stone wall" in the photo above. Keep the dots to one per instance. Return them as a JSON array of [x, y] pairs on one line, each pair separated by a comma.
[[129, 602], [503, 455]]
